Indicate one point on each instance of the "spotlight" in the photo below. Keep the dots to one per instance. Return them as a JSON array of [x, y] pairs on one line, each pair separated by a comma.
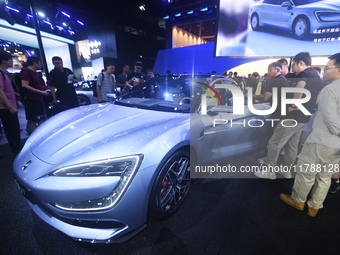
[[41, 14]]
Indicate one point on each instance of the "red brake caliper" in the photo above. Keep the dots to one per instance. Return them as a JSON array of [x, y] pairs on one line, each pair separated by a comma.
[[165, 183]]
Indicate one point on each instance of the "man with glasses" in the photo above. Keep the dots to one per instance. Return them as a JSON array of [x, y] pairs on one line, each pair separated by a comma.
[[287, 136], [319, 158]]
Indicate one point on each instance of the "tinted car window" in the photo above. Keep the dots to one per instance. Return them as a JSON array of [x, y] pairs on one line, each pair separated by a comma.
[[302, 2], [269, 1]]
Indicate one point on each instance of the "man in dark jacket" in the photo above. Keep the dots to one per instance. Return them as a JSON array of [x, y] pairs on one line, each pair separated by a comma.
[[62, 79]]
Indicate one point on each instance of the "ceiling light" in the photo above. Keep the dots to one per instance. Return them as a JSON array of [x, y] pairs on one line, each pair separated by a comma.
[[65, 14], [142, 7], [81, 23], [4, 13], [41, 14], [49, 23], [12, 9]]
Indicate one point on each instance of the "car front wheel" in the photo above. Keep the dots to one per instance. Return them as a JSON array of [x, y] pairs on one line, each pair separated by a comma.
[[83, 100], [171, 186], [301, 28], [254, 22]]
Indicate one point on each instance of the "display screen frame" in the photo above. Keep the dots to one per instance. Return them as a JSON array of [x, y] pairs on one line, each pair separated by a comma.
[[235, 37]]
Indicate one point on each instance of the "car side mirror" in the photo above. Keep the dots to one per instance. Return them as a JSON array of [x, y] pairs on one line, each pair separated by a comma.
[[212, 113], [287, 4]]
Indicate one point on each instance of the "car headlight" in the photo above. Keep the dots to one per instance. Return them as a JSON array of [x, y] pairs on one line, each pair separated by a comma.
[[324, 16], [125, 167]]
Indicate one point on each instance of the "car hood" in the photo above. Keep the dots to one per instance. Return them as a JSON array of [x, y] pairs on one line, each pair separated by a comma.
[[98, 131]]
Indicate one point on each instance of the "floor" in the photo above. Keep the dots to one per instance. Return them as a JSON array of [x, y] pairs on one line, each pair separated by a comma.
[[220, 216]]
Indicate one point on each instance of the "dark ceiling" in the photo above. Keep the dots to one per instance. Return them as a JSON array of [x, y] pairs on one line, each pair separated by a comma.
[[154, 8], [124, 13], [128, 12]]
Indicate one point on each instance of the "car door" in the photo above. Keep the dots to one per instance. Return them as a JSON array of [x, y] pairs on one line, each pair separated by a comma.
[[217, 131], [267, 12], [226, 136], [284, 14]]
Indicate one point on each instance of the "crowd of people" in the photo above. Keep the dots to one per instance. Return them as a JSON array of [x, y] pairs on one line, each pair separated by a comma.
[[310, 143], [57, 92], [107, 82], [32, 93]]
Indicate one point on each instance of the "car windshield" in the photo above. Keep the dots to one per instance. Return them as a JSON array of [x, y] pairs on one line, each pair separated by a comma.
[[174, 93], [302, 2]]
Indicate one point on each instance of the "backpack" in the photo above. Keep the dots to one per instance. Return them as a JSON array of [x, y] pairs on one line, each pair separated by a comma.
[[94, 87], [17, 86]]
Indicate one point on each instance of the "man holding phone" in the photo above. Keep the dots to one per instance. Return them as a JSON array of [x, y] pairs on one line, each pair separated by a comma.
[[61, 81]]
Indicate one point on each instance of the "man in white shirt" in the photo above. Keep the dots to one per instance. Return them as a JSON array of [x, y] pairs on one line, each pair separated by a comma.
[[319, 158]]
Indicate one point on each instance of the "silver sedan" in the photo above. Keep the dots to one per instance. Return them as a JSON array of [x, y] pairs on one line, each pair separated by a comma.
[[300, 17], [97, 172]]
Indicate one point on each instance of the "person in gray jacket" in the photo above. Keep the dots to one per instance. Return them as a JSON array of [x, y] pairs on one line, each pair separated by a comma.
[[319, 158]]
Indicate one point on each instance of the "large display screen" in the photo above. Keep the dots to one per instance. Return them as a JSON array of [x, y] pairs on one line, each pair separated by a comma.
[[274, 28]]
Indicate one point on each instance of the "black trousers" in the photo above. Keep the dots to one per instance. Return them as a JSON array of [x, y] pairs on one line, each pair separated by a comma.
[[10, 123]]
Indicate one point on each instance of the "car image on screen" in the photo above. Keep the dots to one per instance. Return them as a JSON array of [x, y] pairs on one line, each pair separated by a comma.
[[99, 171], [302, 18]]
